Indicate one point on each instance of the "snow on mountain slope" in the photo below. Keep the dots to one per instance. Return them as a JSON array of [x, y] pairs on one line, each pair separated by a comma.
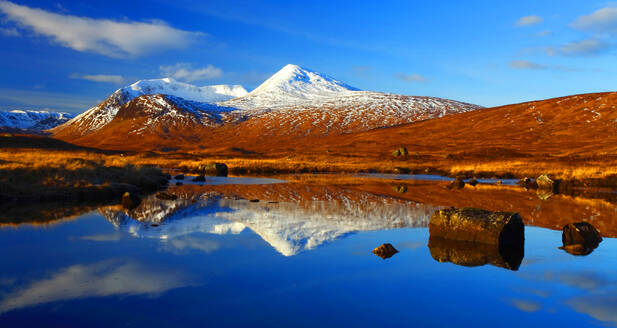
[[294, 102], [32, 120], [100, 115], [290, 86]]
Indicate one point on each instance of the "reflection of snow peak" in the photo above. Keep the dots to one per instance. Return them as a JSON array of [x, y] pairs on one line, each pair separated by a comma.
[[290, 227]]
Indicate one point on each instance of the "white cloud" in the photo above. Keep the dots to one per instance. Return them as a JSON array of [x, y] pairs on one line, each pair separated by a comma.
[[525, 64], [178, 245], [600, 307], [603, 21], [100, 279], [410, 77], [586, 47], [185, 72], [544, 33], [9, 31], [117, 79], [102, 36], [526, 306], [529, 20]]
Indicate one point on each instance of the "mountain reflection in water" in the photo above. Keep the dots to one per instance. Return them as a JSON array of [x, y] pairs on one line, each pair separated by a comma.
[[301, 217]]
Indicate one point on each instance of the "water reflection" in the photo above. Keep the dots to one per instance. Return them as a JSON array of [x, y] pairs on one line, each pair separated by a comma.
[[297, 221], [472, 254], [105, 278]]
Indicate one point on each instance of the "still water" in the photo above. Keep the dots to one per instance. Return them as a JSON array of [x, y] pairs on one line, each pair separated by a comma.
[[299, 255]]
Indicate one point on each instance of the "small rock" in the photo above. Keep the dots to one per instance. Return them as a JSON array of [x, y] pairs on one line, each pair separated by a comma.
[[472, 182], [179, 177], [402, 151], [199, 178], [254, 200], [498, 182], [580, 238], [546, 183], [179, 183], [167, 176], [130, 201], [385, 251], [400, 189], [458, 183]]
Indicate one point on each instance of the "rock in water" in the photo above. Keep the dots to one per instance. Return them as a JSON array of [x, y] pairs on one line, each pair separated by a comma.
[[458, 183], [179, 177], [400, 152], [527, 183], [476, 225], [472, 182], [216, 169], [199, 178], [385, 251], [580, 238], [400, 189], [470, 254], [546, 183], [130, 201]]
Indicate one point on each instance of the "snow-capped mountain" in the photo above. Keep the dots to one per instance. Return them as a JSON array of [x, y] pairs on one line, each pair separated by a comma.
[[291, 86], [30, 120], [294, 102], [100, 115]]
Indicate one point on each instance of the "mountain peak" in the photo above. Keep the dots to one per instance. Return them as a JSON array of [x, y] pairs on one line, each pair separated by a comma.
[[291, 85]]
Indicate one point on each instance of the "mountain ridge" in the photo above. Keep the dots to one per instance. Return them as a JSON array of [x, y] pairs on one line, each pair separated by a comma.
[[294, 102]]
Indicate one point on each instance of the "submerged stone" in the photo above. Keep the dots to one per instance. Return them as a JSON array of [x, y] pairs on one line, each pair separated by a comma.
[[385, 251], [458, 183]]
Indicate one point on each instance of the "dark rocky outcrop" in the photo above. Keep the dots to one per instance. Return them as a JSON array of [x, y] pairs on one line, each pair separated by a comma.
[[179, 177], [580, 238], [472, 182], [402, 151], [385, 251], [166, 196], [215, 169], [476, 225], [472, 254], [130, 200], [199, 178]]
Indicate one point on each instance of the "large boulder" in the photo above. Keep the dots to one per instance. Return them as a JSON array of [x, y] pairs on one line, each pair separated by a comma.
[[546, 183], [470, 254], [385, 251], [130, 200], [215, 169], [476, 225], [402, 151], [580, 238]]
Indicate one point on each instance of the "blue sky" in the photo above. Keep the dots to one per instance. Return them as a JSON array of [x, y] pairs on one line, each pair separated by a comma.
[[69, 55]]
